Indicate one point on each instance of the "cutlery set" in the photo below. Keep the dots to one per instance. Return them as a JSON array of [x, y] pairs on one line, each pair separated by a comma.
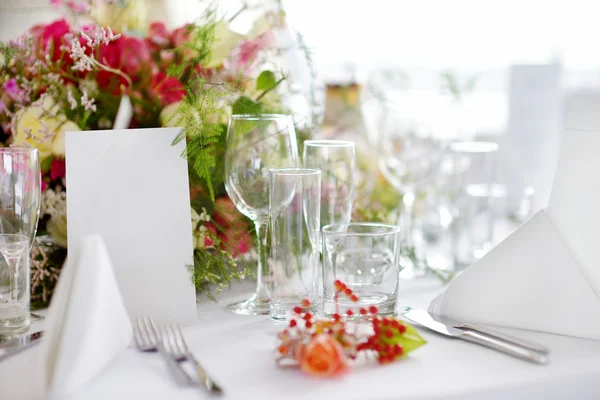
[[168, 340]]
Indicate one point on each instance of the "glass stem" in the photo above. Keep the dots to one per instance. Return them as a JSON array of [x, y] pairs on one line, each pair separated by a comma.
[[262, 293], [13, 266]]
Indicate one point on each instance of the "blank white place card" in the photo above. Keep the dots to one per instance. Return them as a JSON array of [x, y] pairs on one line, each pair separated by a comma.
[[130, 186]]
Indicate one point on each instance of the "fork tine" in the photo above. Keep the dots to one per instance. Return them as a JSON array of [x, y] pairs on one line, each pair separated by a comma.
[[143, 333], [180, 334], [151, 336], [136, 334], [166, 341]]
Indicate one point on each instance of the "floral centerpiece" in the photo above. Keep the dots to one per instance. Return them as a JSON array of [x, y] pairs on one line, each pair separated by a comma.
[[72, 74]]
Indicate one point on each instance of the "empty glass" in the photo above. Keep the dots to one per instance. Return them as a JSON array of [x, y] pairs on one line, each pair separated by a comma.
[[337, 162], [476, 198], [256, 144], [20, 193], [295, 197], [365, 257]]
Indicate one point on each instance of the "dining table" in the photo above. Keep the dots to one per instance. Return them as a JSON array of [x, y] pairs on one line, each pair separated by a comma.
[[239, 353]]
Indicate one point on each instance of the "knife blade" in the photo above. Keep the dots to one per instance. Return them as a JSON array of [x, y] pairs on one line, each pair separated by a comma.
[[488, 332], [13, 346], [425, 319]]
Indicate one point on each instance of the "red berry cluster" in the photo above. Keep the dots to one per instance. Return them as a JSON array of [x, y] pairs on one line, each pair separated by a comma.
[[306, 316], [385, 339], [340, 287]]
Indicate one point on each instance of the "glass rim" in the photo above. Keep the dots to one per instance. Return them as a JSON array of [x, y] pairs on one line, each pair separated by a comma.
[[256, 117], [391, 229], [330, 143], [18, 150], [295, 171]]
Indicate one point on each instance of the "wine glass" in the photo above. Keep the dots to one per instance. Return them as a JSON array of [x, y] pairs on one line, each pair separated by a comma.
[[20, 194], [255, 145], [336, 160], [410, 160]]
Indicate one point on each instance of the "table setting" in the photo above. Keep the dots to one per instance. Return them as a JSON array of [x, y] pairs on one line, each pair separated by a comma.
[[216, 250]]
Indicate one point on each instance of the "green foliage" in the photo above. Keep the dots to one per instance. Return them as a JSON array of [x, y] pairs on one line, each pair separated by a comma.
[[410, 340], [195, 114], [45, 164], [245, 105], [265, 81]]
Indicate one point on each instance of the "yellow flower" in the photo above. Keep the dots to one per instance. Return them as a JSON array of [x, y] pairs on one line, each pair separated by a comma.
[[33, 126], [57, 228], [130, 17], [168, 116], [225, 41]]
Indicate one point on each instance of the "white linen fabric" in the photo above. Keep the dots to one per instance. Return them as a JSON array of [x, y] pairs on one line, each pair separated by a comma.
[[238, 351], [545, 276], [88, 326]]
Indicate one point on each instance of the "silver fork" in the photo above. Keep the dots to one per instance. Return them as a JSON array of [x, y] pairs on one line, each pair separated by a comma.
[[174, 345], [147, 339]]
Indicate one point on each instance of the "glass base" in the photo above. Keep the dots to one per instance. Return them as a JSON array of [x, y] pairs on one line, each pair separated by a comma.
[[385, 303], [253, 306], [15, 326]]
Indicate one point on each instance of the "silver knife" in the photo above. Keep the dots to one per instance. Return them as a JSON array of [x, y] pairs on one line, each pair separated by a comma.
[[425, 319], [13, 346]]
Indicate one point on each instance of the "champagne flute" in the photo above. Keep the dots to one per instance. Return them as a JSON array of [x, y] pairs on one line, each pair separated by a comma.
[[20, 194], [337, 162], [255, 145]]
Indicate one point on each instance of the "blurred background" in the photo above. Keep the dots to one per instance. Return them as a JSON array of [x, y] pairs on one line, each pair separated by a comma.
[[457, 106]]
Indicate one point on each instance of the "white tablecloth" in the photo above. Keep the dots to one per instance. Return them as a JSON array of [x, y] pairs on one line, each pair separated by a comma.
[[239, 352]]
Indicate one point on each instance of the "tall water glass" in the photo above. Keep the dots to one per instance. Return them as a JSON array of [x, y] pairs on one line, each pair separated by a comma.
[[365, 257], [337, 162], [476, 197], [20, 193], [295, 197], [256, 144]]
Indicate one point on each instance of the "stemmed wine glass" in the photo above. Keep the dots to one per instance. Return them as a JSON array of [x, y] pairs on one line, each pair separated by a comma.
[[410, 160], [20, 194], [255, 145]]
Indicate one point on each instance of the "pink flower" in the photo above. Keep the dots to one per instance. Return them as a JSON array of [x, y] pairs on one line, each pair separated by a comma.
[[13, 91], [78, 7], [249, 50], [44, 185], [158, 36], [57, 169], [2, 107], [55, 3], [181, 35], [54, 35], [167, 88]]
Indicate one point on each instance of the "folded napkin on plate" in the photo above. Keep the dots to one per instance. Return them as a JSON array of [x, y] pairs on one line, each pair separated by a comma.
[[546, 275], [87, 326]]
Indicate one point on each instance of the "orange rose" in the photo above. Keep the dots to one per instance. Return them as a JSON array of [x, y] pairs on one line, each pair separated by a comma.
[[323, 356]]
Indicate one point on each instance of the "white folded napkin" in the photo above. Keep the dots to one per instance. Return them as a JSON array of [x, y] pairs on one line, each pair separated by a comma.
[[546, 275], [87, 326]]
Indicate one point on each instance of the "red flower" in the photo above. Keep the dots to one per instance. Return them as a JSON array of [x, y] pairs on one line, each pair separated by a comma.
[[110, 55], [158, 36], [54, 35], [57, 169], [167, 88], [181, 35], [134, 54]]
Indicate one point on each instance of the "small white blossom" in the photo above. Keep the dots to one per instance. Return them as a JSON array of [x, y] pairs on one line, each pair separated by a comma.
[[71, 99], [87, 102]]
